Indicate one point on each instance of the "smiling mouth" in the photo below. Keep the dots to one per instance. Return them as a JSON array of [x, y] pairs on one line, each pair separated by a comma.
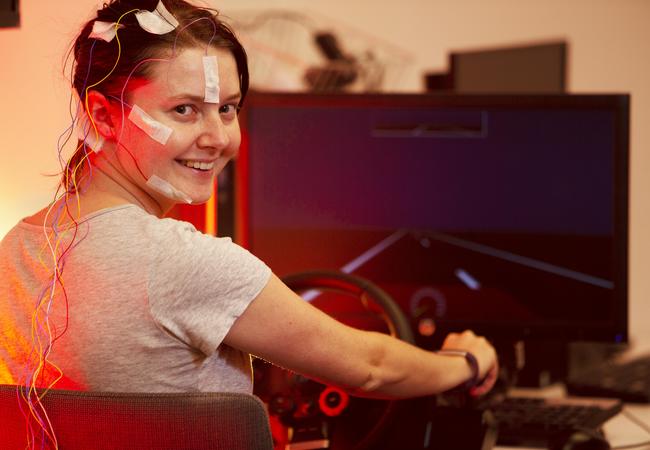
[[198, 165]]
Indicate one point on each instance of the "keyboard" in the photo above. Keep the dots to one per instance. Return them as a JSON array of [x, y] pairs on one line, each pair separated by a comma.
[[628, 381], [525, 421]]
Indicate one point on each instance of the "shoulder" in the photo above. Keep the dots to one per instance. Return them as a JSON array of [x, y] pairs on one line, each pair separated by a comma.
[[133, 223], [171, 247], [127, 235], [9, 244]]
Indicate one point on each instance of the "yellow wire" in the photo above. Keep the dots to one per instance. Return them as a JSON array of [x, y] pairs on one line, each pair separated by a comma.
[[36, 338]]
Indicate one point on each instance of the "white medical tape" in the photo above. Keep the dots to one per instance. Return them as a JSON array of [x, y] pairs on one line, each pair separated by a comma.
[[156, 130], [158, 21], [211, 74], [104, 30], [165, 188], [87, 133]]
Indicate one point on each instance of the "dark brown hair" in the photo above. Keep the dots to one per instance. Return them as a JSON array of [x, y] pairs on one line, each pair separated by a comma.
[[94, 58]]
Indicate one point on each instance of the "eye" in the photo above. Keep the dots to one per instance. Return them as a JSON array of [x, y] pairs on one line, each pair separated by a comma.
[[184, 110], [229, 110]]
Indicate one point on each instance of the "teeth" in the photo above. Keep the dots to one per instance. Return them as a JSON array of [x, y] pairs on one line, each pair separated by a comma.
[[198, 164]]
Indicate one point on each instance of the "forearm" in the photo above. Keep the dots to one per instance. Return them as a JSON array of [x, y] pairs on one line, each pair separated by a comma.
[[395, 369], [282, 328]]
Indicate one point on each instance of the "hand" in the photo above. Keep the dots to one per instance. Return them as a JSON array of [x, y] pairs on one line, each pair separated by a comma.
[[484, 353]]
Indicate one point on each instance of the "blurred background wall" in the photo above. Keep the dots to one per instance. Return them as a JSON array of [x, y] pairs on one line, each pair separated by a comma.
[[608, 47]]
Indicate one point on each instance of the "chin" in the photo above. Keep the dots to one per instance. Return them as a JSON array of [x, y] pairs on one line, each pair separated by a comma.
[[200, 198]]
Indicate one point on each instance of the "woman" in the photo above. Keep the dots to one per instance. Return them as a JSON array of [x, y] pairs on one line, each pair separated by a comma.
[[103, 293]]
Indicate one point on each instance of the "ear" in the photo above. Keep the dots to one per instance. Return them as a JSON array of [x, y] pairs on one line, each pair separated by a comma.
[[100, 110]]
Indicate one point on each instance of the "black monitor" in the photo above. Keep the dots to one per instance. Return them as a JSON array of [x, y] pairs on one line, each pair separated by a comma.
[[504, 214], [9, 13], [533, 68]]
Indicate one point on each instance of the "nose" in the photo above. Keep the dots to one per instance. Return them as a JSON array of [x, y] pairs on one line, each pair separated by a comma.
[[214, 135]]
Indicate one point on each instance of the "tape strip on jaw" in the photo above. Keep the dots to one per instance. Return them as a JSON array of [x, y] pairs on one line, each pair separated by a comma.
[[165, 188]]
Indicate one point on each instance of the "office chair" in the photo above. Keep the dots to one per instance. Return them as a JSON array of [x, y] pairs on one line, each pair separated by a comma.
[[143, 421]]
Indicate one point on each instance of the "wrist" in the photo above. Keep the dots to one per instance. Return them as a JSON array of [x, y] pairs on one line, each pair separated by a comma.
[[471, 361]]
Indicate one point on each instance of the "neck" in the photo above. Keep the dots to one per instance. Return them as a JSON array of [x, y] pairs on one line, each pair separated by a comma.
[[110, 187]]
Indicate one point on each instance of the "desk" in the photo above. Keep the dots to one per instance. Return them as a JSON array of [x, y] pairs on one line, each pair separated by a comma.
[[620, 430]]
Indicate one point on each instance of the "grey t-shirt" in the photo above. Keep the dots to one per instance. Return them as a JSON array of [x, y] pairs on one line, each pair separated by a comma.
[[149, 303]]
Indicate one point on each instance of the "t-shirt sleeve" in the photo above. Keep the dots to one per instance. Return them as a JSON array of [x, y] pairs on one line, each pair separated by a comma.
[[199, 284]]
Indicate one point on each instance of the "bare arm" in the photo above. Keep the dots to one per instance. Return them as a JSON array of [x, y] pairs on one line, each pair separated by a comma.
[[280, 327]]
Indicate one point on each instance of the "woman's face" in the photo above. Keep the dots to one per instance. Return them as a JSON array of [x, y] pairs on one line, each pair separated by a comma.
[[204, 136]]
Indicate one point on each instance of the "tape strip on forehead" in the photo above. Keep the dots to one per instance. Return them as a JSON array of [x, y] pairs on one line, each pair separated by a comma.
[[165, 188], [156, 130], [211, 75]]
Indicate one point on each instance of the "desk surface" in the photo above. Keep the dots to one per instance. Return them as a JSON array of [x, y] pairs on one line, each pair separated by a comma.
[[619, 430]]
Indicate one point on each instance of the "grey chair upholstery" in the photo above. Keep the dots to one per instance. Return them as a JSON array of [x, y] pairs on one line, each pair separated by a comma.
[[108, 420]]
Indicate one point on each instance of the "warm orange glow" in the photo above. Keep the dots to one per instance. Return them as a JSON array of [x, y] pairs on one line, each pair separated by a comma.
[[14, 346], [211, 213], [241, 188]]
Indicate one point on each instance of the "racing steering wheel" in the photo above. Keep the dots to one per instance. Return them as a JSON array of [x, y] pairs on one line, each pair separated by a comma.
[[318, 413]]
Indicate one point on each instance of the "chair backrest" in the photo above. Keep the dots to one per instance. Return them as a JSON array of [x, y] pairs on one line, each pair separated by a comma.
[[108, 420]]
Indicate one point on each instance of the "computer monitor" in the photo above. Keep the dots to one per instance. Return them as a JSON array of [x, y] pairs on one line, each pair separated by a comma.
[[9, 13], [504, 214], [533, 68]]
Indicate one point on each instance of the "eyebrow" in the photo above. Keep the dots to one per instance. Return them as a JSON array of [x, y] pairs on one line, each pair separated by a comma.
[[200, 99], [192, 97], [231, 98]]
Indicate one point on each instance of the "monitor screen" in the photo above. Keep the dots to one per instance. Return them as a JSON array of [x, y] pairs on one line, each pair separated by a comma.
[[504, 214]]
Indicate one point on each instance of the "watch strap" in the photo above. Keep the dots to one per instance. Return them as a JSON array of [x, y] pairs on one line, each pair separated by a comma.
[[473, 364]]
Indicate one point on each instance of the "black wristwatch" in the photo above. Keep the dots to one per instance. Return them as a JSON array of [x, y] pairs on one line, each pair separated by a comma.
[[473, 365]]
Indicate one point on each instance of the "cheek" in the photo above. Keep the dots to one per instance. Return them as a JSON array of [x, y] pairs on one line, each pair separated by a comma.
[[134, 138], [138, 147], [235, 138], [180, 140]]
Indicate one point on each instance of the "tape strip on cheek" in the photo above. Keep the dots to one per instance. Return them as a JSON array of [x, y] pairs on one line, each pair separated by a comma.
[[165, 188], [211, 73], [156, 130]]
